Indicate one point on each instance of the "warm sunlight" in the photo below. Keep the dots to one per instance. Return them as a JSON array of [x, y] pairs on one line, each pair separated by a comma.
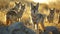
[[44, 1], [41, 1]]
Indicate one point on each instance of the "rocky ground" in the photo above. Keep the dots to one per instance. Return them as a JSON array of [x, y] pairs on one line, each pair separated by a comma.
[[20, 28], [16, 28]]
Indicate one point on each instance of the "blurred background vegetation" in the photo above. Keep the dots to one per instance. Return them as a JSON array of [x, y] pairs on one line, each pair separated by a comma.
[[5, 5]]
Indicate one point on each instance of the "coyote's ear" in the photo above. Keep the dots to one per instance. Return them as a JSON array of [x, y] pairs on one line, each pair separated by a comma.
[[19, 2], [37, 4], [23, 5], [31, 5], [15, 2]]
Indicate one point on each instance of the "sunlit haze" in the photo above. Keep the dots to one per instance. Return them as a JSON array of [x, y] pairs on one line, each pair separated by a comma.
[[44, 1]]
